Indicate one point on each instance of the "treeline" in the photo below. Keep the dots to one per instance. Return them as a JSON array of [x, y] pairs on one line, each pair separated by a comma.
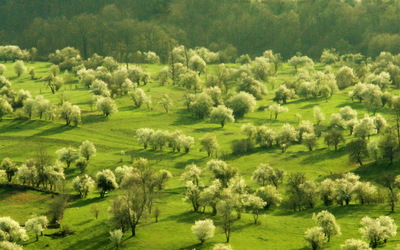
[[241, 27]]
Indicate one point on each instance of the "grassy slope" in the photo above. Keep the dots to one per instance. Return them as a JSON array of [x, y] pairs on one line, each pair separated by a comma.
[[19, 139]]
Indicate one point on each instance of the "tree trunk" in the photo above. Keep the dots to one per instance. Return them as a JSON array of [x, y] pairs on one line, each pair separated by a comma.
[[374, 244], [195, 207], [359, 161], [187, 59], [214, 210], [133, 228], [255, 216]]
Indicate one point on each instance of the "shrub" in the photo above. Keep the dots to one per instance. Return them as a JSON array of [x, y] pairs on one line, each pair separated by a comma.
[[242, 146]]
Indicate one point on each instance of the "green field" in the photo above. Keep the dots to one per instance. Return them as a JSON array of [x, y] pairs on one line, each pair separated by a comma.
[[279, 229]]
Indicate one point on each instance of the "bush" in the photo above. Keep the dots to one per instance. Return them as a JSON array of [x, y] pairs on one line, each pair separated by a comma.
[[19, 67], [242, 146], [57, 208], [203, 229], [2, 69]]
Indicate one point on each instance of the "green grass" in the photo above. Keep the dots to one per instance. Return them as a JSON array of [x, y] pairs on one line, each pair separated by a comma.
[[279, 229]]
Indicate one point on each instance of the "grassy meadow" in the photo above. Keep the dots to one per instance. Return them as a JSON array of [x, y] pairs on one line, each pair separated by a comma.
[[21, 138]]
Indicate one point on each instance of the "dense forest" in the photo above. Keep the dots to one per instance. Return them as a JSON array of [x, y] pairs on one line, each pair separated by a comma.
[[111, 27]]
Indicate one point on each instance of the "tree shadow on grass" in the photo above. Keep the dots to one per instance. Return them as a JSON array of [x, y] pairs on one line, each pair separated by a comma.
[[271, 121], [321, 155], [312, 102], [290, 155], [309, 106], [70, 172], [97, 241], [194, 246], [85, 202], [207, 130], [255, 150], [129, 108], [184, 118], [183, 164], [55, 130], [354, 210], [305, 213], [238, 228], [373, 171], [360, 106], [154, 155], [25, 124], [187, 217], [257, 121], [94, 118], [83, 222], [31, 241], [357, 210], [353, 105], [171, 192], [13, 78]]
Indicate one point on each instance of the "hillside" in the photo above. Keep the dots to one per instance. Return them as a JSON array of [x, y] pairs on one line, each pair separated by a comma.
[[116, 144]]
